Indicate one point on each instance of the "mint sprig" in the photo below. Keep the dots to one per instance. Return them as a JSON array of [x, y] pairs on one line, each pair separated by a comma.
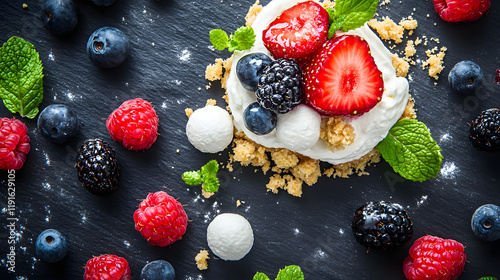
[[21, 77], [291, 272], [207, 176], [488, 278], [350, 14], [411, 151], [242, 39]]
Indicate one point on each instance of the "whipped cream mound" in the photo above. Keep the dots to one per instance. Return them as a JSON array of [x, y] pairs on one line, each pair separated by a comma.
[[210, 129], [299, 129], [230, 236], [370, 128]]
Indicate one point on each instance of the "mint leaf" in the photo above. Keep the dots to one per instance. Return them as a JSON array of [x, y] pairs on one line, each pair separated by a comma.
[[219, 39], [411, 151], [210, 169], [21, 77], [356, 12], [192, 178], [336, 25], [291, 272], [211, 184], [488, 278], [260, 276]]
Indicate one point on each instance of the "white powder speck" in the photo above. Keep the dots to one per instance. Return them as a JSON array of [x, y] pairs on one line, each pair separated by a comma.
[[21, 278], [144, 11], [4, 210], [46, 186], [422, 200], [47, 159], [341, 231], [164, 105], [70, 96], [445, 137], [47, 208], [320, 253], [84, 218], [185, 55], [211, 48], [153, 44], [177, 82], [449, 170], [296, 231], [51, 56], [127, 244]]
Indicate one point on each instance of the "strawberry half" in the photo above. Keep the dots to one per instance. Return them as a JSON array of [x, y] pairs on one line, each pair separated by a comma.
[[342, 78], [298, 32]]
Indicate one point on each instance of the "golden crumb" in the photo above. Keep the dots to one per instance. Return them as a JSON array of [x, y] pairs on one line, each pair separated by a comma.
[[308, 170], [418, 41], [410, 111], [337, 134], [201, 260], [25, 6], [384, 2], [252, 13], [188, 112], [227, 67], [408, 23], [239, 202], [356, 166], [410, 49], [275, 182], [206, 194], [387, 29], [211, 102], [293, 185], [284, 158], [214, 71], [328, 3], [434, 62], [402, 66]]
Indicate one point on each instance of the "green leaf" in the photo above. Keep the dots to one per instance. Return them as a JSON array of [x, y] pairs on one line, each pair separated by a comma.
[[21, 77], [243, 39], [211, 184], [357, 12], [336, 25], [192, 178], [210, 169], [260, 276], [291, 272], [331, 14], [411, 151], [488, 278], [219, 39]]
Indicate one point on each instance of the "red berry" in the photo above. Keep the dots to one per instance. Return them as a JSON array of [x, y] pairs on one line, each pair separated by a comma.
[[298, 32], [14, 144], [109, 267], [160, 219], [461, 10], [434, 258], [342, 78], [134, 124]]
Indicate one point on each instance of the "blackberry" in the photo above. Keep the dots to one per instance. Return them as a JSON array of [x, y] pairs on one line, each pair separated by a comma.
[[280, 86], [485, 131], [97, 167], [382, 225]]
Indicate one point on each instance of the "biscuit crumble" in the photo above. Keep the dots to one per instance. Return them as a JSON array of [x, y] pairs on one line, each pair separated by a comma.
[[337, 134], [201, 260]]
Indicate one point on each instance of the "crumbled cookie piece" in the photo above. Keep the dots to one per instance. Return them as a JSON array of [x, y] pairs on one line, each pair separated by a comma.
[[206, 194], [275, 182], [188, 112], [410, 111], [284, 158], [252, 13], [344, 170], [227, 67], [401, 65], [408, 23], [387, 29], [214, 71], [337, 134], [410, 49], [211, 102], [434, 62], [239, 203], [328, 3], [201, 260], [308, 170], [293, 185], [247, 152]]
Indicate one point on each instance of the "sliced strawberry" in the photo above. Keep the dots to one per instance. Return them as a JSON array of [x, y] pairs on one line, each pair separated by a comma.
[[461, 10], [342, 78], [298, 32]]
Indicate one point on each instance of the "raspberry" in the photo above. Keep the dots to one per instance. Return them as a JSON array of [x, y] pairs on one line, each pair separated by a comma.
[[14, 144], [160, 219], [109, 267], [461, 10], [434, 258], [134, 124]]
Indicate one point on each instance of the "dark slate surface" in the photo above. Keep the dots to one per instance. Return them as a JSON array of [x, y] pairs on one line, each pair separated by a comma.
[[169, 40]]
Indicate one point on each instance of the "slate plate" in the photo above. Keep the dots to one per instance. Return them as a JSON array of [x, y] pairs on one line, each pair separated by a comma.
[[169, 40]]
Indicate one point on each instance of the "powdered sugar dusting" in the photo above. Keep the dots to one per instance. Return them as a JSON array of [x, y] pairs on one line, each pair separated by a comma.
[[185, 55], [422, 200], [449, 170]]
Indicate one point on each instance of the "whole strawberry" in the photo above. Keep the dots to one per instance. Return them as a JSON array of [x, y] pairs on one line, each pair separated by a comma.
[[14, 144], [434, 258], [109, 267], [461, 10], [134, 124], [160, 219]]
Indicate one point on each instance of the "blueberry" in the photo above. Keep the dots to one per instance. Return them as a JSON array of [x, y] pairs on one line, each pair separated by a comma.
[[58, 123], [486, 222], [59, 16], [466, 77], [108, 47], [259, 120], [249, 68], [104, 3], [158, 270], [51, 246]]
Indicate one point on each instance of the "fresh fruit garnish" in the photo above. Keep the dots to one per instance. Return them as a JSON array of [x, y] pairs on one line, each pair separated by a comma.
[[290, 272], [21, 77], [59, 16], [109, 267], [411, 151], [206, 175], [382, 225], [14, 144], [230, 236], [434, 258], [466, 77], [249, 69], [486, 222], [108, 47], [58, 123], [485, 131], [51, 246], [342, 78], [242, 39], [298, 32], [158, 270], [160, 219], [461, 10], [280, 87], [97, 167], [259, 120], [134, 124]]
